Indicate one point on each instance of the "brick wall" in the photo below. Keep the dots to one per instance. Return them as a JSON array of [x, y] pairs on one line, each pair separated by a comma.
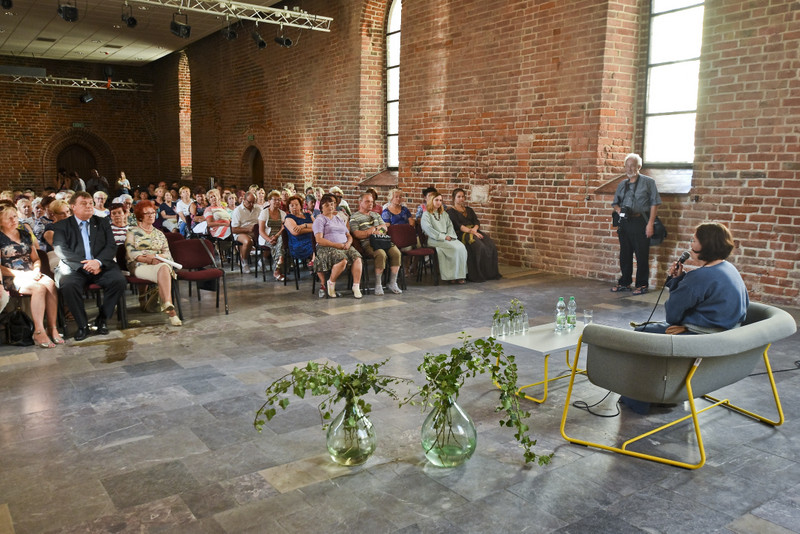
[[38, 121], [533, 102]]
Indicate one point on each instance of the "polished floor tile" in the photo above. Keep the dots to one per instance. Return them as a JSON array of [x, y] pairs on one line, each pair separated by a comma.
[[151, 429]]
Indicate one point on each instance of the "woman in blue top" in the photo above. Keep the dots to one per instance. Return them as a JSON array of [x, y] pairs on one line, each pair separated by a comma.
[[394, 212], [299, 229], [711, 298]]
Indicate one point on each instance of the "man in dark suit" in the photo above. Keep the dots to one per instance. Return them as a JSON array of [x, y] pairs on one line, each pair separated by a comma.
[[85, 245]]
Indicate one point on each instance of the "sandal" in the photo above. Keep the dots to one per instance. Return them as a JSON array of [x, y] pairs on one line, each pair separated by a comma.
[[45, 345], [56, 337], [640, 290], [618, 288]]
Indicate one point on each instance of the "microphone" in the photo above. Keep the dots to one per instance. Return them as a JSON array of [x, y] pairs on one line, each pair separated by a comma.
[[684, 257]]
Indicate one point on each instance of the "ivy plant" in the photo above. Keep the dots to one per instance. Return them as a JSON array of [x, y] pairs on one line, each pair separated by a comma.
[[445, 374], [332, 382]]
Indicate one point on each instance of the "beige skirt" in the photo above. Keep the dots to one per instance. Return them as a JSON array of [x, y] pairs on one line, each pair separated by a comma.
[[149, 272]]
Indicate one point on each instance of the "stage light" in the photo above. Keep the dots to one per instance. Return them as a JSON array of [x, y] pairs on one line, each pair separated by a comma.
[[259, 41], [86, 98], [181, 29], [68, 12], [283, 41], [127, 16], [229, 33]]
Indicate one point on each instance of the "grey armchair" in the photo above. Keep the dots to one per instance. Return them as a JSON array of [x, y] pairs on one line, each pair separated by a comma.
[[663, 368]]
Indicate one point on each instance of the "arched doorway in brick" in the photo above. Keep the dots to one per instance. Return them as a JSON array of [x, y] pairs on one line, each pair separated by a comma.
[[80, 150], [76, 158], [253, 164]]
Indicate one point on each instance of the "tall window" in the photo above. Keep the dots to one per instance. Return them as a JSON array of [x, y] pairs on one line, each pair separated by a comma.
[[392, 85], [676, 34]]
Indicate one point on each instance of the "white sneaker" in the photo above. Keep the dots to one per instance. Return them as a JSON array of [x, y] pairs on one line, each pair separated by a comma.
[[246, 269], [332, 290], [394, 289], [357, 292], [379, 290], [321, 293]]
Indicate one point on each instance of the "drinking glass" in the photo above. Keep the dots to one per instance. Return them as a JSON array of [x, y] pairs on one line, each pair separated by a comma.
[[587, 316]]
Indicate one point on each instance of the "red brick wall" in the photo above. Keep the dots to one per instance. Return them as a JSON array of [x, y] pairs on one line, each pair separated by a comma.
[[747, 162], [310, 110], [37, 122]]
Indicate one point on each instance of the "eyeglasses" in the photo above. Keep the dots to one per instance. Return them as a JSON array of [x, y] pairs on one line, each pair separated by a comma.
[[148, 213]]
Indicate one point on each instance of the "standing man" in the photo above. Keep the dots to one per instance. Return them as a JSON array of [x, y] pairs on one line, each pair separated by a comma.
[[636, 202], [244, 225], [85, 245], [365, 223], [97, 183]]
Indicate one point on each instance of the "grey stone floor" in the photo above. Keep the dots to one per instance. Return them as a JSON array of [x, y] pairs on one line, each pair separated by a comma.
[[150, 429]]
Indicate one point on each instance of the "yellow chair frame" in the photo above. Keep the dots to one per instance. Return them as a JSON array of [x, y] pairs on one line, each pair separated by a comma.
[[693, 416]]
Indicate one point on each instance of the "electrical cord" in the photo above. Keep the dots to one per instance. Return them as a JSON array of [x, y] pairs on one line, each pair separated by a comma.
[[796, 367], [582, 405]]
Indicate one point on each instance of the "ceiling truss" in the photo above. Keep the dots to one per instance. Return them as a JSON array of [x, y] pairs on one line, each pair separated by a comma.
[[80, 83], [294, 18]]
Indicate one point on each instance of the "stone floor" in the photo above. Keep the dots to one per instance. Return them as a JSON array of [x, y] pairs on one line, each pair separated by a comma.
[[150, 429]]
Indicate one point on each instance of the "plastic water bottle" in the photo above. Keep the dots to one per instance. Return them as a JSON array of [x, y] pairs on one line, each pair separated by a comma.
[[561, 316], [572, 314]]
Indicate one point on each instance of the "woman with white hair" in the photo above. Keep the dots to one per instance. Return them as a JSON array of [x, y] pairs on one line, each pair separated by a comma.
[[100, 204]]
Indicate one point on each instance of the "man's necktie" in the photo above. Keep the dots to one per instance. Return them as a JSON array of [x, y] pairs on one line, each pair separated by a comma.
[[87, 247]]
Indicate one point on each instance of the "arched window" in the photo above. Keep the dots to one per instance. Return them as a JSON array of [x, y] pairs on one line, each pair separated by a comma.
[[393, 85], [673, 66]]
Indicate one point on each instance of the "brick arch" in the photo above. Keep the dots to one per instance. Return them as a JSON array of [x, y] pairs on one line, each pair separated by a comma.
[[246, 161], [103, 155]]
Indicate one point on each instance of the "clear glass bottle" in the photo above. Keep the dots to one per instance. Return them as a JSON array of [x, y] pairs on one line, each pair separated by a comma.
[[561, 315], [524, 322], [448, 435], [572, 314], [351, 439]]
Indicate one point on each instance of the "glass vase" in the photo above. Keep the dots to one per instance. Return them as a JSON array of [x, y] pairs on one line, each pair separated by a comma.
[[351, 439], [448, 435]]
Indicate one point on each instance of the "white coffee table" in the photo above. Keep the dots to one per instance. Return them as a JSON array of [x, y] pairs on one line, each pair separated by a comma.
[[543, 341]]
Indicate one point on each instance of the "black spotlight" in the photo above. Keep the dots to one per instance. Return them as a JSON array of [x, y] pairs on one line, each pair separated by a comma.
[[68, 12], [229, 33], [86, 98], [181, 29], [283, 41], [128, 18], [7, 4], [259, 41]]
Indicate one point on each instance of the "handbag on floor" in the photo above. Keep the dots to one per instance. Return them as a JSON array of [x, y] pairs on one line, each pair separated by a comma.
[[19, 329]]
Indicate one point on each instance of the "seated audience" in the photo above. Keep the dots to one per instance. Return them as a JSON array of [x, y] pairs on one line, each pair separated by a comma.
[[366, 222], [217, 218], [167, 213], [21, 268], [144, 245], [394, 212], [270, 232], [450, 252], [244, 225], [481, 250], [334, 247], [377, 207], [299, 230], [100, 198], [119, 222], [186, 210], [341, 204], [261, 198], [87, 252]]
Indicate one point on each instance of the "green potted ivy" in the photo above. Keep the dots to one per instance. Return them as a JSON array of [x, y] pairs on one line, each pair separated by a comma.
[[448, 434], [351, 437]]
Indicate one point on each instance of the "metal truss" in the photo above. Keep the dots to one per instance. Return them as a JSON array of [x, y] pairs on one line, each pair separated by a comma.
[[237, 10], [80, 83]]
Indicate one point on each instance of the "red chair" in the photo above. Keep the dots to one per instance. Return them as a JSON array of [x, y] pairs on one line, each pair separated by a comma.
[[405, 235], [199, 265], [122, 261]]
